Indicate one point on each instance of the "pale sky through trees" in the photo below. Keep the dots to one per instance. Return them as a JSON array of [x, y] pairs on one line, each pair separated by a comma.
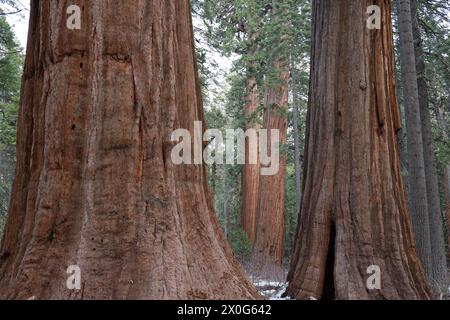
[[20, 23]]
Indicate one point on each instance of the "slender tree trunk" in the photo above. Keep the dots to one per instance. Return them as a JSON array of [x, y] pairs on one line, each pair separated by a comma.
[[401, 136], [213, 178], [251, 172], [447, 204], [447, 182], [268, 249], [437, 237], [226, 216], [95, 185], [446, 176], [418, 201], [295, 123], [353, 214]]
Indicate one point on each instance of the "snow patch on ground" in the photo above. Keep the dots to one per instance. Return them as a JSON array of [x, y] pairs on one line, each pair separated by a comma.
[[273, 290], [267, 283]]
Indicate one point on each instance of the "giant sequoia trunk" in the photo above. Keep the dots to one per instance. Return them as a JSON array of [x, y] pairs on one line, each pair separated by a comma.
[[95, 185], [353, 213], [268, 249], [437, 237], [417, 186], [251, 171]]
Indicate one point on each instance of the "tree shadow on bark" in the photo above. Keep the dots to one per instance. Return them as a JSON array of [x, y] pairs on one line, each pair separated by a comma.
[[329, 292]]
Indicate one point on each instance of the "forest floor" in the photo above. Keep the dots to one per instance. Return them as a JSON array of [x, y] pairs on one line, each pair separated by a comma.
[[272, 284], [274, 289]]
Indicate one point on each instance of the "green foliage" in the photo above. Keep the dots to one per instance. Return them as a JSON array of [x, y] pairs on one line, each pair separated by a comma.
[[10, 62], [240, 244], [4, 194], [10, 76], [235, 101], [259, 32], [8, 122]]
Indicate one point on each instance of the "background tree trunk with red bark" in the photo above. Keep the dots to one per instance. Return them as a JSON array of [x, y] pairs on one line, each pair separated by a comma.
[[354, 213], [267, 256], [251, 172], [95, 185]]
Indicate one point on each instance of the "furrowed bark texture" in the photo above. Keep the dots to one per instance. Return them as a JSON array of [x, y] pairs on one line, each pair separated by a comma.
[[95, 185], [418, 200], [353, 213], [251, 172], [268, 249]]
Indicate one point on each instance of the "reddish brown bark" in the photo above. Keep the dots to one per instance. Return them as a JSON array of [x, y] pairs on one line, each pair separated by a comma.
[[354, 212], [268, 249], [251, 172], [95, 185]]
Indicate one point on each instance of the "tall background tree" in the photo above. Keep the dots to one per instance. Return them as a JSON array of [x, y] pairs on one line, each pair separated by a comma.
[[418, 199], [437, 238], [415, 39]]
